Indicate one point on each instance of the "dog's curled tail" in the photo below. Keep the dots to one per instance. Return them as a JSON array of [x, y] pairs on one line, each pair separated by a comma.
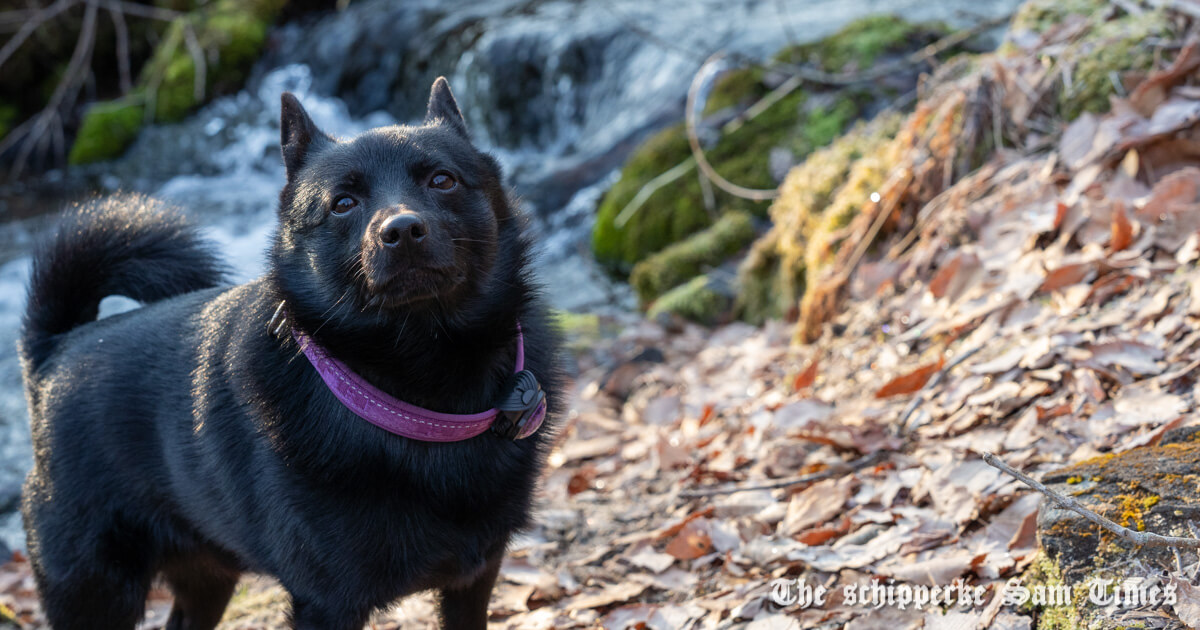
[[126, 245]]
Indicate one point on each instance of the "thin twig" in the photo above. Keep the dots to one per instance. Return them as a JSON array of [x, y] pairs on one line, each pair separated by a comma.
[[752, 112], [698, 82], [122, 31], [148, 11], [833, 471], [1187, 7], [67, 88], [32, 25], [882, 70], [1146, 539], [784, 22], [799, 75], [199, 76], [686, 166], [651, 187]]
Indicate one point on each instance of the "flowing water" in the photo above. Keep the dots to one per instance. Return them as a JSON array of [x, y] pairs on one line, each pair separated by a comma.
[[560, 90]]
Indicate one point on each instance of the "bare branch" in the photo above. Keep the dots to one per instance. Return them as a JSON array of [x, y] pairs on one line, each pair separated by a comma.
[[122, 32], [698, 82], [68, 87], [198, 63], [651, 187], [31, 25], [147, 11], [835, 470], [1147, 539], [1187, 7]]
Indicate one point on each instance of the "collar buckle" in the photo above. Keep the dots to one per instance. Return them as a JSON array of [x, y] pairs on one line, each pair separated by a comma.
[[522, 409]]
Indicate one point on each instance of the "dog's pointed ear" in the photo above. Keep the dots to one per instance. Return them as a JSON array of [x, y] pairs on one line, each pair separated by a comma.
[[442, 107], [297, 133]]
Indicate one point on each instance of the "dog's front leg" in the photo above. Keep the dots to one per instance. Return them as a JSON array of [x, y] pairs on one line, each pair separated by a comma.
[[466, 608]]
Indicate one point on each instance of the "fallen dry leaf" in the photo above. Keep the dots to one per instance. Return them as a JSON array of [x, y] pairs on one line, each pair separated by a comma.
[[807, 376], [1187, 605], [823, 534], [1151, 93], [816, 504], [1066, 276], [1122, 229], [911, 382], [692, 541]]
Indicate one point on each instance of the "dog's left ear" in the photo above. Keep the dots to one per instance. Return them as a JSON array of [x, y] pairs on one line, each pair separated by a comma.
[[297, 133], [442, 107]]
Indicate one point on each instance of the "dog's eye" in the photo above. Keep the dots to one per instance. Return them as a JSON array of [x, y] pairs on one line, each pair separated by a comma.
[[442, 181], [344, 204]]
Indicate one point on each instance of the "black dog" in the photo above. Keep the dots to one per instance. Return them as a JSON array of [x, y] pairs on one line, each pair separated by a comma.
[[192, 438]]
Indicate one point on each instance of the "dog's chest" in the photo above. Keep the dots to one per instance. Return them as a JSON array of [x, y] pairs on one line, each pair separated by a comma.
[[413, 532]]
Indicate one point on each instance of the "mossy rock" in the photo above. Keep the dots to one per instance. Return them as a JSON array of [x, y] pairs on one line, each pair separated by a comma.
[[664, 219], [1149, 488], [688, 258], [108, 127], [703, 300], [802, 122], [677, 210], [1111, 47], [861, 42], [230, 35], [740, 86]]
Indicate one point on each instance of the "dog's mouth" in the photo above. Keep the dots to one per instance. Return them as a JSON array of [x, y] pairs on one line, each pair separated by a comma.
[[409, 286]]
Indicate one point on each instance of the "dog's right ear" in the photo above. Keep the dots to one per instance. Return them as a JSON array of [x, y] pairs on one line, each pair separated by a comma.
[[297, 132]]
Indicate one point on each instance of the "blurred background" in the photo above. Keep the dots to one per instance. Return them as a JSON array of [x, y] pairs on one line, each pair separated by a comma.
[[179, 98]]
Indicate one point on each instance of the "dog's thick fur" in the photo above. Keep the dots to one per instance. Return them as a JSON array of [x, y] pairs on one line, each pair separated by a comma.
[[185, 440]]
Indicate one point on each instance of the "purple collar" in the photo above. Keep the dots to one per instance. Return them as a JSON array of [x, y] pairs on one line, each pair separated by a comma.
[[519, 414]]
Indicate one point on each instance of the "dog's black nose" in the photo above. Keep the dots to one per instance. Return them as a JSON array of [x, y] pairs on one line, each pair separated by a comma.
[[402, 229]]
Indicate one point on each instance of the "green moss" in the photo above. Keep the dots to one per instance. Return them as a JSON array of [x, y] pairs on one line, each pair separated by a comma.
[[1039, 15], [700, 300], [677, 210], [688, 258], [668, 216], [581, 331], [1111, 49], [760, 282], [736, 87], [1043, 571], [106, 130], [572, 323], [860, 43], [825, 124], [230, 35], [176, 94], [801, 122]]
